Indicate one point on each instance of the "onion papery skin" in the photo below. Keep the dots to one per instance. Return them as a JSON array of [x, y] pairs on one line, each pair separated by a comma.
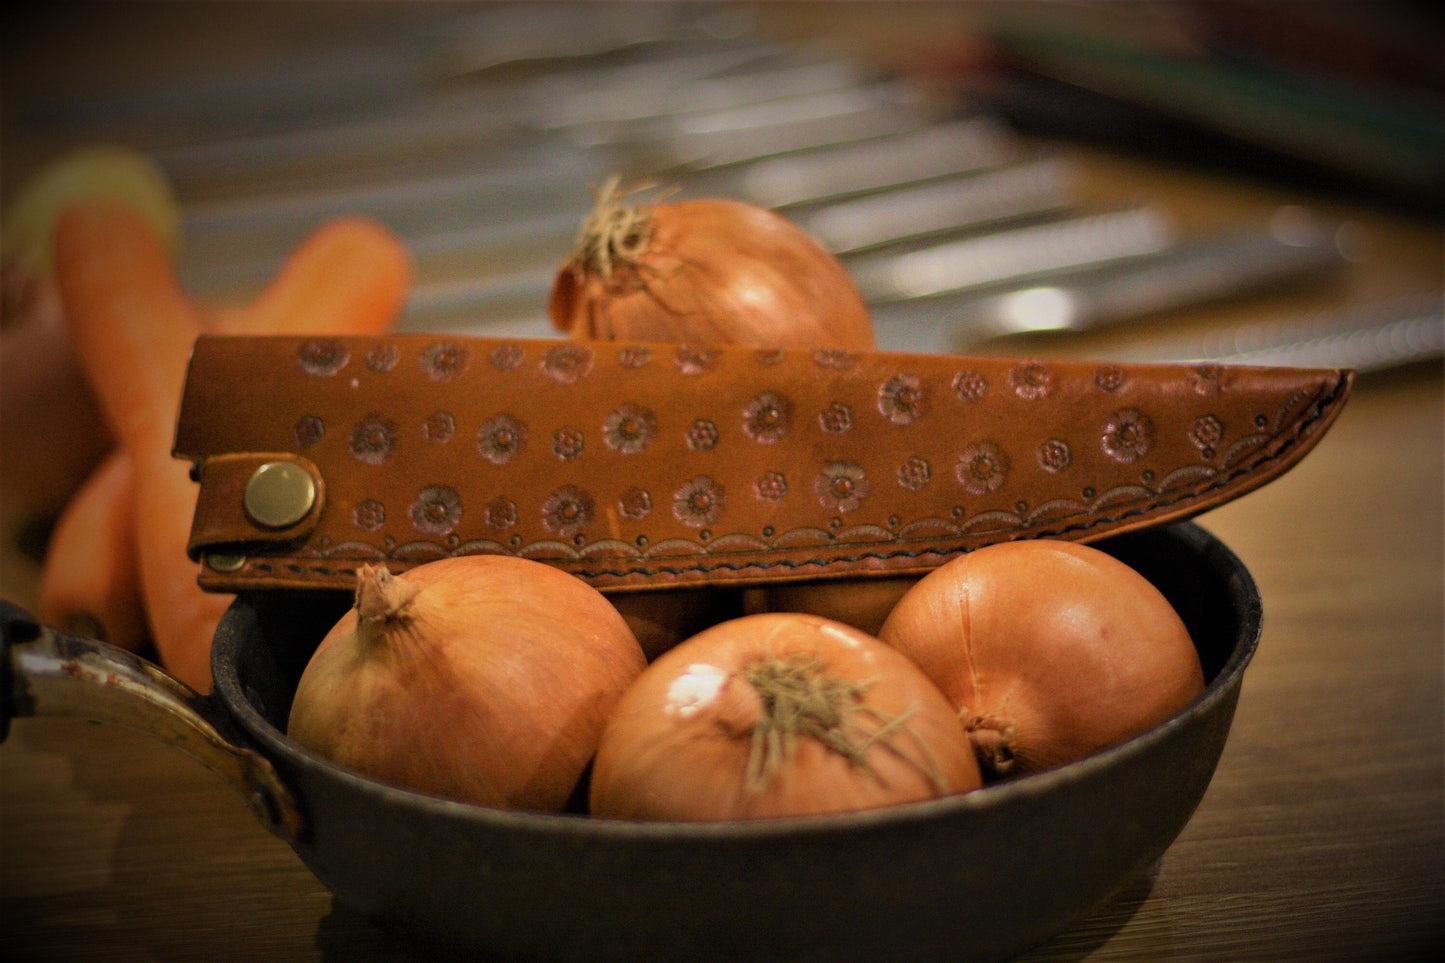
[[707, 271], [680, 745], [490, 685], [863, 603], [1049, 650]]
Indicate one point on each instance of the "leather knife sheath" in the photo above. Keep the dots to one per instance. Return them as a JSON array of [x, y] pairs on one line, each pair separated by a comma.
[[645, 466]]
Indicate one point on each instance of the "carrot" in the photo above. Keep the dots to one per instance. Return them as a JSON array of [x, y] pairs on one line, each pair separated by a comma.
[[89, 582], [133, 329], [349, 276]]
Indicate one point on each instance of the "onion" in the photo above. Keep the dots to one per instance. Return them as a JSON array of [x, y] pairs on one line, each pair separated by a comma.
[[708, 272], [778, 715], [661, 619], [1049, 650], [863, 603], [485, 679]]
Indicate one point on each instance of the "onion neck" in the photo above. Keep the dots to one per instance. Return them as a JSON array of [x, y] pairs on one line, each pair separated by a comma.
[[798, 698], [993, 744], [383, 602], [614, 233]]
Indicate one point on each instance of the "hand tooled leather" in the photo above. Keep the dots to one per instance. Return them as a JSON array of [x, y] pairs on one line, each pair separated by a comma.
[[645, 465]]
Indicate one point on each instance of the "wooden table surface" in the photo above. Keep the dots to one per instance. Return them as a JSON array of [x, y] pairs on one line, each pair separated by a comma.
[[1322, 836]]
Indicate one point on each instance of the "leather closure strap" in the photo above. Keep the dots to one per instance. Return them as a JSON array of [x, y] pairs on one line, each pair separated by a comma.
[[255, 501], [638, 466]]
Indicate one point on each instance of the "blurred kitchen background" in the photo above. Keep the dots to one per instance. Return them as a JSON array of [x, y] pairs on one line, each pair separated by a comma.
[[1243, 179]]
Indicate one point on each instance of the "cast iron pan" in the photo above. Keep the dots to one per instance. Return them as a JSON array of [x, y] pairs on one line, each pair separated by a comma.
[[978, 877]]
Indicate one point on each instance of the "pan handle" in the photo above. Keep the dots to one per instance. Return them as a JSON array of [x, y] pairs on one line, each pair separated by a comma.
[[47, 672]]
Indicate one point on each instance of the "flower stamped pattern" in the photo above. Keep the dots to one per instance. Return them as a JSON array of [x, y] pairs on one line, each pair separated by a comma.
[[635, 504], [567, 511], [982, 468], [439, 427], [915, 473], [568, 443], [372, 440], [771, 486], [836, 419], [841, 486], [500, 513], [369, 516], [501, 439], [702, 435], [765, 419], [1128, 435], [900, 399], [698, 502], [629, 429], [1055, 455], [309, 430], [567, 364], [437, 510], [969, 385], [444, 360], [1031, 380], [322, 357]]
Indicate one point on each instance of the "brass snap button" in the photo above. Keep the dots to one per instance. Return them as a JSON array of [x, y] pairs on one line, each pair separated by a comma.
[[225, 563], [279, 494]]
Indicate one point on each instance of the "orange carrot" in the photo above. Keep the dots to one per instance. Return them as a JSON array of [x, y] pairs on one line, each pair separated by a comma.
[[349, 277], [133, 329], [89, 583]]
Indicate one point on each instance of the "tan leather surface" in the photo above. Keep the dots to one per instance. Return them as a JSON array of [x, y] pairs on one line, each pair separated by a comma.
[[638, 466]]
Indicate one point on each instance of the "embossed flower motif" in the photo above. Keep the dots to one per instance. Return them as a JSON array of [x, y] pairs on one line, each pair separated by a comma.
[[841, 486], [836, 418], [1031, 380], [629, 429], [372, 440], [635, 503], [835, 359], [501, 439], [369, 515], [500, 513], [1206, 378], [634, 356], [437, 510], [765, 419], [444, 360], [567, 511], [914, 473], [439, 427], [702, 435], [692, 359], [383, 357], [309, 430], [1055, 455], [1207, 432], [322, 357], [771, 486], [1109, 377], [769, 356], [567, 364], [900, 399], [969, 385], [1127, 435], [982, 468], [567, 443], [698, 502], [507, 357]]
